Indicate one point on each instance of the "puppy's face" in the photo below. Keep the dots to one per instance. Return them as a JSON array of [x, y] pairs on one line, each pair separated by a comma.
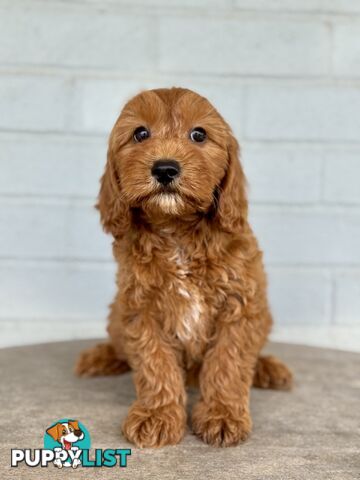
[[169, 151], [66, 433]]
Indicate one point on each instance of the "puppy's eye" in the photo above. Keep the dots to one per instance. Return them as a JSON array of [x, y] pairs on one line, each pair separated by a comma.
[[64, 432], [198, 134], [141, 134]]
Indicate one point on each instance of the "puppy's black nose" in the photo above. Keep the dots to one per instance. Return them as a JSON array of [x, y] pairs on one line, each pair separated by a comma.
[[165, 171]]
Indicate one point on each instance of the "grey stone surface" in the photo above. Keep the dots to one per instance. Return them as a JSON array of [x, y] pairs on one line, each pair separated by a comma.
[[312, 432]]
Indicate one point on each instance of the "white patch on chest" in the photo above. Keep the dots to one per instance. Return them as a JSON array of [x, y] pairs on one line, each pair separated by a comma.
[[178, 258], [189, 320]]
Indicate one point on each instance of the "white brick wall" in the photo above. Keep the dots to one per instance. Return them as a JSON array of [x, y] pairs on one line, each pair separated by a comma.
[[284, 73], [346, 50], [52, 37], [342, 177], [303, 112], [33, 102], [241, 46]]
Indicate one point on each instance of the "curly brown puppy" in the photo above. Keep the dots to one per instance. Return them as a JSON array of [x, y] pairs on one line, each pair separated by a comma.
[[191, 295]]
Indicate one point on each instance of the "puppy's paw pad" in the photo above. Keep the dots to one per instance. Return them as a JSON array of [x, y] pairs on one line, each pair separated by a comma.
[[220, 429], [154, 427]]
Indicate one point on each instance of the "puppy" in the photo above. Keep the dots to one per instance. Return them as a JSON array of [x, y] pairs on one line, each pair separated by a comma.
[[191, 302], [66, 433]]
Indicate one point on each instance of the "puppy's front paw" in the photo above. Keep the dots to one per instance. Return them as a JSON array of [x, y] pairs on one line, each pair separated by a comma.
[[76, 462], [155, 427], [58, 463], [217, 426]]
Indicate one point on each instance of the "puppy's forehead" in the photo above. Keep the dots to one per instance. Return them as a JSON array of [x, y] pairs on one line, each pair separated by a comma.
[[169, 105]]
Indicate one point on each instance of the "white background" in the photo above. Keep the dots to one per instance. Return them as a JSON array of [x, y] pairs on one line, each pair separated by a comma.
[[284, 73]]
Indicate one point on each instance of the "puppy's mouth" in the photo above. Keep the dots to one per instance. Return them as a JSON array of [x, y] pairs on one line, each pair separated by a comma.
[[67, 445], [157, 191], [172, 198], [168, 201], [171, 189]]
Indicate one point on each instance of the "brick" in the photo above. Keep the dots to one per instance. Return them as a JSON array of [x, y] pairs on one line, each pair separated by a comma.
[[224, 4], [279, 5], [247, 47], [52, 230], [284, 175], [347, 298], [45, 166], [71, 38], [58, 291], [346, 56], [30, 102], [337, 6], [187, 3], [316, 6], [123, 5], [300, 297], [71, 230], [308, 236], [342, 177], [342, 6], [317, 113]]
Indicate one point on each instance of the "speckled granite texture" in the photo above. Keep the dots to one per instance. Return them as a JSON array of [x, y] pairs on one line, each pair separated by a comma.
[[312, 432]]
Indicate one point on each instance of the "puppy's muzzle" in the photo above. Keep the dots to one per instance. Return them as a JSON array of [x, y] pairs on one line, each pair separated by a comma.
[[165, 171]]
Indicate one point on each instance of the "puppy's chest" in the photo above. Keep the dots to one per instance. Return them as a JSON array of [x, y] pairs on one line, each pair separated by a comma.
[[187, 307]]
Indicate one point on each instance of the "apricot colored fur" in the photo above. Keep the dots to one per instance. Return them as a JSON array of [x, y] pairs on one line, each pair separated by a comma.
[[191, 300]]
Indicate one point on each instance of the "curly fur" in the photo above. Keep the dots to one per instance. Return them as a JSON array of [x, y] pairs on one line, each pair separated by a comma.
[[191, 301]]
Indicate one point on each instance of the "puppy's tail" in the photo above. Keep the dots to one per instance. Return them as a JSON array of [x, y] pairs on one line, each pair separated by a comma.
[[100, 360]]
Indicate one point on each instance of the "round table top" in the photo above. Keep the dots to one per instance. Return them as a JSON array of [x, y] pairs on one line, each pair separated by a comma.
[[312, 432]]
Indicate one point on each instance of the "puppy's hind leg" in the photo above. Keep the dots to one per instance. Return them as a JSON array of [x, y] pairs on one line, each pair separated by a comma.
[[100, 360], [271, 373]]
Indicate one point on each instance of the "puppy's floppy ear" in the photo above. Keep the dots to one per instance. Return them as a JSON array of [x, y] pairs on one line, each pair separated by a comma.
[[232, 205], [54, 431], [74, 423], [114, 212]]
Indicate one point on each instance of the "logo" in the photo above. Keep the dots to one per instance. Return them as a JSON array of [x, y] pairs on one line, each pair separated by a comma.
[[67, 444], [67, 438]]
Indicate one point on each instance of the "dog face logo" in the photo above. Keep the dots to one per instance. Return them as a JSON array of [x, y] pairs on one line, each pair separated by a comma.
[[67, 438], [66, 433], [67, 444]]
